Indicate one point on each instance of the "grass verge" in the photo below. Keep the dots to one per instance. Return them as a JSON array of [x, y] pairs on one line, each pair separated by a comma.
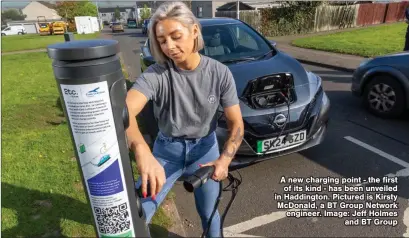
[[365, 42], [42, 191], [34, 41]]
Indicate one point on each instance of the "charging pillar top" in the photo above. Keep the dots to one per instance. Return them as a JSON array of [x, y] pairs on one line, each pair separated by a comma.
[[83, 49]]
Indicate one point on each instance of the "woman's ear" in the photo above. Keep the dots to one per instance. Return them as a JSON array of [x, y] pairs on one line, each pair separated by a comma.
[[195, 31]]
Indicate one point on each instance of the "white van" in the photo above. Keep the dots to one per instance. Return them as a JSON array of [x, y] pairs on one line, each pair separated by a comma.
[[13, 30]]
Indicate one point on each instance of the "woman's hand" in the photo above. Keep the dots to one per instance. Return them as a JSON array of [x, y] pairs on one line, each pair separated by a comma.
[[221, 169], [150, 169]]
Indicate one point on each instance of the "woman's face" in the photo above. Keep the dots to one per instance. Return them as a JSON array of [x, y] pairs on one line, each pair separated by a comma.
[[175, 40]]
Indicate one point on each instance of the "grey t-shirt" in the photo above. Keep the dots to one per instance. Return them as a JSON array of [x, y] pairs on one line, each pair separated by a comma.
[[186, 104]]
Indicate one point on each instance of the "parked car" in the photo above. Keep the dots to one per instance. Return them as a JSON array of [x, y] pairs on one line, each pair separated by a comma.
[[117, 26], [14, 30], [383, 84], [262, 74], [132, 23], [145, 26]]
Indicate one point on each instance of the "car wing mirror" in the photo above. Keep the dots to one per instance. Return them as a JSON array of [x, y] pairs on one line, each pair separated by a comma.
[[273, 43]]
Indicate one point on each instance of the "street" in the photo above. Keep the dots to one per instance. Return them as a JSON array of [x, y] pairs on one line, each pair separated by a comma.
[[357, 145]]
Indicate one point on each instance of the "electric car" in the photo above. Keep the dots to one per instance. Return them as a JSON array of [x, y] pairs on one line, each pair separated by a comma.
[[284, 107], [383, 84]]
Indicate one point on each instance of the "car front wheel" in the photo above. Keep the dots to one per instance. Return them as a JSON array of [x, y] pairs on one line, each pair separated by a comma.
[[384, 97]]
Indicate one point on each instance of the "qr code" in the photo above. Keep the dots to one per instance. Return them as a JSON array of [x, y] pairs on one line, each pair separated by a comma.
[[113, 220]]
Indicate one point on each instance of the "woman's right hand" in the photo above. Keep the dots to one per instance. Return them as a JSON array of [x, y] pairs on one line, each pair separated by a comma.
[[150, 169]]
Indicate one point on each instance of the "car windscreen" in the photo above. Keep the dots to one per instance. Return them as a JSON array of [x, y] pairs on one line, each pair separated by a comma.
[[230, 42]]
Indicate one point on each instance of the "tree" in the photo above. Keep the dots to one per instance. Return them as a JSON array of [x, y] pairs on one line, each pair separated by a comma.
[[117, 13], [70, 9], [145, 12], [12, 15]]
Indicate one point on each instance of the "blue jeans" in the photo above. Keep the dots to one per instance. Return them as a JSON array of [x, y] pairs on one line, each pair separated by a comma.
[[181, 157]]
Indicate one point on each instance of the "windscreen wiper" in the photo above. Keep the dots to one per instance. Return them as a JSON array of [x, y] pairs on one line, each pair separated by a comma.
[[238, 60], [269, 52]]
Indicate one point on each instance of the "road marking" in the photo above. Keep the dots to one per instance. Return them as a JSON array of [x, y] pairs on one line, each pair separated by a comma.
[[229, 234], [379, 152], [335, 75], [257, 221], [401, 173]]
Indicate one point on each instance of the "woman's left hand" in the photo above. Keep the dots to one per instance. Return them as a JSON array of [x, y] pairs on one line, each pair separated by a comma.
[[221, 169]]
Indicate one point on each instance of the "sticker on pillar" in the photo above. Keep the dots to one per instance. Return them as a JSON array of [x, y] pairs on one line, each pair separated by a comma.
[[91, 118], [82, 148]]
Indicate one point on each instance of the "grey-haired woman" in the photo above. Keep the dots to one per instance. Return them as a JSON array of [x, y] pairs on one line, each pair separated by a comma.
[[186, 89]]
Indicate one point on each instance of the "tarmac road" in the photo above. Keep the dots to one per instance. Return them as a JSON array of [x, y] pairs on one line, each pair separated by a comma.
[[358, 145]]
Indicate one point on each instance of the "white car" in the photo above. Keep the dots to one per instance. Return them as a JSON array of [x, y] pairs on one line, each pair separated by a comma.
[[13, 30]]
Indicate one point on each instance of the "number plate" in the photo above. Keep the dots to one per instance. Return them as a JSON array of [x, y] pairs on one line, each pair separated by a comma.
[[296, 138]]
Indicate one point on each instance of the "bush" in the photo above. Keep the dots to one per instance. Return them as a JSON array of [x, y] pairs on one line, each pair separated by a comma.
[[292, 18]]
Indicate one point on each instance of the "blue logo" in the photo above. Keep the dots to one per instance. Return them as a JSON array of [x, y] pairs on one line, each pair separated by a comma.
[[94, 92]]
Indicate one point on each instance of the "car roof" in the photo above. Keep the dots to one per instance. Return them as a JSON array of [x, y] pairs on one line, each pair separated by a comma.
[[217, 21]]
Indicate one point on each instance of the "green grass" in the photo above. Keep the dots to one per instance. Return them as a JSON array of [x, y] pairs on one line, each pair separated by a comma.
[[365, 42], [42, 191], [34, 41]]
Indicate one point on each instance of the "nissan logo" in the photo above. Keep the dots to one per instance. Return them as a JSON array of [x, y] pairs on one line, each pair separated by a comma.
[[280, 120]]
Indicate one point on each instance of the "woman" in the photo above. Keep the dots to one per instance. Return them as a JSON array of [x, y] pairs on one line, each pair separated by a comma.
[[187, 89]]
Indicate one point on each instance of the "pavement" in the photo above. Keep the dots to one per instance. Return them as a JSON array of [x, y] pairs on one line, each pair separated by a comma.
[[357, 145], [336, 61]]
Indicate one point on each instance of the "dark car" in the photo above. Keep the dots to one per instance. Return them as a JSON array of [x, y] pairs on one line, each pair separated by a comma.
[[383, 84], [145, 26], [278, 97]]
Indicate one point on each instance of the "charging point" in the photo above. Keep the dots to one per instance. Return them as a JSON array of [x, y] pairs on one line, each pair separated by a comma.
[[93, 91]]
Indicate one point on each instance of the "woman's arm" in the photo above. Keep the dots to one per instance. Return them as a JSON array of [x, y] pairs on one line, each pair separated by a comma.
[[236, 132], [149, 167], [135, 101]]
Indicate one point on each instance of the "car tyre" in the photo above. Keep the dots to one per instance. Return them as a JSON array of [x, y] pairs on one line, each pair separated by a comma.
[[384, 97]]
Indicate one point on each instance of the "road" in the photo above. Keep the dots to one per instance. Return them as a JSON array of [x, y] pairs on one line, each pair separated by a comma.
[[357, 145]]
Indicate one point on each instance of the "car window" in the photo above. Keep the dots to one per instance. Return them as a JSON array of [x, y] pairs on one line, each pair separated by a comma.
[[244, 39], [7, 29], [229, 42]]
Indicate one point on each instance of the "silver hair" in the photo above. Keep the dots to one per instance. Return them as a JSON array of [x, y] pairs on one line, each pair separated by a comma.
[[176, 11]]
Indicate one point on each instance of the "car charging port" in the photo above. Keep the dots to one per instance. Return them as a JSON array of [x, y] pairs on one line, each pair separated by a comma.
[[270, 91]]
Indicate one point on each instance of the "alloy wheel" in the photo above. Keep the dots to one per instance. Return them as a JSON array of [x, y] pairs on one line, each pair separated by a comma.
[[382, 97]]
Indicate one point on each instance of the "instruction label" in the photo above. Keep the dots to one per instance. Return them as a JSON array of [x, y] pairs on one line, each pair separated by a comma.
[[92, 123]]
